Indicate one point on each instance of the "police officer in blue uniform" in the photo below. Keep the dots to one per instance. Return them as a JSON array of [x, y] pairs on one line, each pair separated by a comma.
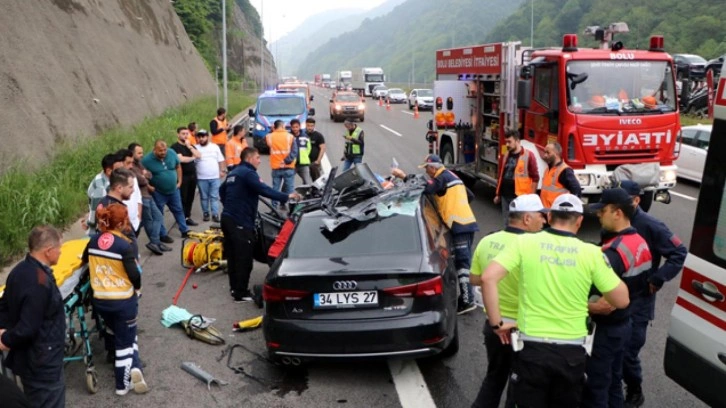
[[663, 244], [629, 257]]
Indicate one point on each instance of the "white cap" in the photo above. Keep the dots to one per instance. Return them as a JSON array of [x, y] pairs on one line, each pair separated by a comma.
[[527, 203], [567, 203]]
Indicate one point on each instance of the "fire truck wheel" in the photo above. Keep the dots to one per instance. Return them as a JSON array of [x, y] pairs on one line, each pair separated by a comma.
[[447, 154], [646, 199]]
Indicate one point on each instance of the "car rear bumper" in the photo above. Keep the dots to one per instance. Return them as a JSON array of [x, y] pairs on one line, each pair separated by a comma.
[[411, 336], [694, 373]]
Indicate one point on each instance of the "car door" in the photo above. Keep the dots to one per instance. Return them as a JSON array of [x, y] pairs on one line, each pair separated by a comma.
[[687, 159], [268, 224], [700, 151]]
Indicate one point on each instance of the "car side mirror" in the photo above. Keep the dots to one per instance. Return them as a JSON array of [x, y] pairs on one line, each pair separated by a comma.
[[311, 112], [251, 112], [331, 101], [312, 98]]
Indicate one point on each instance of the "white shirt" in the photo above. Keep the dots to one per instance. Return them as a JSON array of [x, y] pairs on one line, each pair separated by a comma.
[[208, 164], [132, 205]]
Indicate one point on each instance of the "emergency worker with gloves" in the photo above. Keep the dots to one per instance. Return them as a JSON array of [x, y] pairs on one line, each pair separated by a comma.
[[452, 201], [556, 271], [116, 282], [630, 258], [663, 243]]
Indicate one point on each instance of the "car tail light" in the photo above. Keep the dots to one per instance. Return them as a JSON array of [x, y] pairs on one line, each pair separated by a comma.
[[431, 287], [434, 340], [273, 294]]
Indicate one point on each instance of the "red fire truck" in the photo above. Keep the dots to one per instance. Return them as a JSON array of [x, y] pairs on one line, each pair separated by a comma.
[[614, 111]]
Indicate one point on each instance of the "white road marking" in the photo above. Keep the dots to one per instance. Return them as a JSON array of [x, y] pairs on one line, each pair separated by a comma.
[[410, 384], [391, 130], [407, 113], [687, 197]]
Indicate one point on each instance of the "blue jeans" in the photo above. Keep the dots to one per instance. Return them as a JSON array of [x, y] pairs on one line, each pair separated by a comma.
[[283, 180], [173, 201], [151, 219], [209, 194], [350, 161]]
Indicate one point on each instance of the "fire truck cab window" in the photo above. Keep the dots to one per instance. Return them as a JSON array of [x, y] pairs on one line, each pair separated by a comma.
[[622, 87], [543, 83]]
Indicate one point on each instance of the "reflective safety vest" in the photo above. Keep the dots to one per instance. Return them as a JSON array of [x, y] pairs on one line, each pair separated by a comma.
[[280, 143], [303, 148], [453, 204], [233, 150], [221, 137], [522, 182], [353, 149], [105, 265], [634, 253], [551, 186]]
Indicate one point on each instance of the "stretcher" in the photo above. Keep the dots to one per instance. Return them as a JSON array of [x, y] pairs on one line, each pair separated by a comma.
[[74, 285]]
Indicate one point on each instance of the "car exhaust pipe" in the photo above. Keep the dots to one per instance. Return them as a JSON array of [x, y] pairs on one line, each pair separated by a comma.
[[286, 361], [295, 361]]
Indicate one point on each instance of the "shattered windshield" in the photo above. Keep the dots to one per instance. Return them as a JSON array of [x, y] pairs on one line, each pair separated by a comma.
[[620, 87], [281, 106], [392, 228]]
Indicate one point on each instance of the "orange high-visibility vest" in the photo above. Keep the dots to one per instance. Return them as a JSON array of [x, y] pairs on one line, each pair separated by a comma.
[[522, 182], [233, 149], [221, 137], [551, 186], [280, 143]]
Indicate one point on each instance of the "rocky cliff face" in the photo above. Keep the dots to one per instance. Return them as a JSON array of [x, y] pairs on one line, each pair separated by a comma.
[[71, 68], [244, 52]]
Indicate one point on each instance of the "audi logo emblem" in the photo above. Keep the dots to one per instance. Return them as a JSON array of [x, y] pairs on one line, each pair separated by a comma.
[[345, 285]]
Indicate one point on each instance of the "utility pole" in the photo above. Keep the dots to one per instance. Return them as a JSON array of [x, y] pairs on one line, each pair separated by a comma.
[[531, 26], [224, 51], [216, 82]]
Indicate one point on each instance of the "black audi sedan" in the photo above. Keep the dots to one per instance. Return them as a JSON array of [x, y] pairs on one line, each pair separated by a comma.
[[368, 278]]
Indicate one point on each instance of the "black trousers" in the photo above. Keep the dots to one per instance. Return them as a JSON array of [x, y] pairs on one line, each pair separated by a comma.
[[45, 394], [500, 358], [548, 375], [187, 190], [238, 247]]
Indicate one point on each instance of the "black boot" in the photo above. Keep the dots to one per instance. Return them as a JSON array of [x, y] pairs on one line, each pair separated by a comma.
[[634, 396]]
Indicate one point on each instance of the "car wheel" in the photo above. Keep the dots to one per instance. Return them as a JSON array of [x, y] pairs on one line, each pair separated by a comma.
[[447, 154], [453, 346], [362, 118], [410, 107], [331, 116]]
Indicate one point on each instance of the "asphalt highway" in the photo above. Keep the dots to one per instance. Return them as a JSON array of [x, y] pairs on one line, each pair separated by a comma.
[[446, 383]]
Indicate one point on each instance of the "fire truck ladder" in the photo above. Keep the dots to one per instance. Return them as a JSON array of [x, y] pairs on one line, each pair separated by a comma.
[[509, 84]]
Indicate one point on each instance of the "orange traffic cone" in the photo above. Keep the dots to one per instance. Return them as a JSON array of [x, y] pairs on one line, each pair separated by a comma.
[[415, 110], [380, 101], [388, 103]]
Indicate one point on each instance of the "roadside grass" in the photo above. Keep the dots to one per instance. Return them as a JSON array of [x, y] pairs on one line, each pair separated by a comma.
[[688, 120], [56, 193]]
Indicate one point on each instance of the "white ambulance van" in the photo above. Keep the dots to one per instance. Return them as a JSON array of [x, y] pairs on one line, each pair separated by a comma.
[[695, 354]]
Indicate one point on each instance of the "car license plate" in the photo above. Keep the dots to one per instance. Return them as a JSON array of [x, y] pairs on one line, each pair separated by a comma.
[[345, 299]]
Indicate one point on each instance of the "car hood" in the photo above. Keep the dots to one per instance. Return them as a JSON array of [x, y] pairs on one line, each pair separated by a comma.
[[392, 264]]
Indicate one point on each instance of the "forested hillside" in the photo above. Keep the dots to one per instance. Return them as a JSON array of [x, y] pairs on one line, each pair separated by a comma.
[[405, 40], [688, 26], [316, 30], [202, 21]]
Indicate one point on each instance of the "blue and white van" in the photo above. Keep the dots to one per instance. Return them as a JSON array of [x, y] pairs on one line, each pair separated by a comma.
[[272, 106]]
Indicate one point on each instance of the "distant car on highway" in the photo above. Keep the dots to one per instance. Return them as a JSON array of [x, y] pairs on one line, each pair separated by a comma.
[[347, 104], [397, 95], [372, 278], [380, 91], [689, 66], [715, 65], [694, 148], [424, 98]]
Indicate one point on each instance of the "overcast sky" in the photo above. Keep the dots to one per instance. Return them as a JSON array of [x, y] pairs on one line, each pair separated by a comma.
[[279, 17]]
